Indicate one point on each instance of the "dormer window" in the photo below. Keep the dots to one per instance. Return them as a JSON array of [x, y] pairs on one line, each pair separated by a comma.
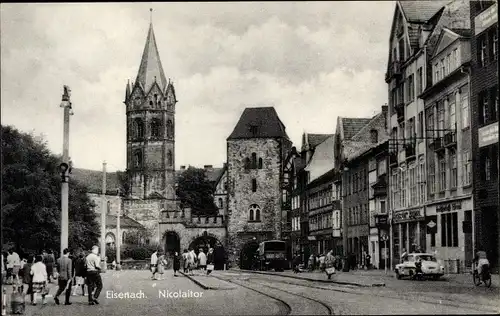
[[374, 136], [253, 130]]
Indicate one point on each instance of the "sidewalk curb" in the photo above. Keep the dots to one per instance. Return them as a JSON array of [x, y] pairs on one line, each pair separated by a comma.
[[317, 280], [203, 286]]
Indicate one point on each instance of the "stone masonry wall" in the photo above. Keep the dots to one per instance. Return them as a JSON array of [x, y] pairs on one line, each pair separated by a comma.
[[267, 195]]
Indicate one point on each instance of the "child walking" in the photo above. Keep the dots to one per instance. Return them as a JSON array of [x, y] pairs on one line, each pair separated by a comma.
[[162, 264], [39, 273]]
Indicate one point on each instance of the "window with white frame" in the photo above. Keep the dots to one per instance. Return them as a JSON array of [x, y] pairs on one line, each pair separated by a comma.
[[404, 181], [394, 186], [432, 179], [452, 110], [483, 47], [453, 170], [456, 58], [467, 171], [464, 100], [419, 81], [381, 167], [421, 181], [413, 185], [436, 72], [494, 47], [443, 69], [442, 173], [440, 113]]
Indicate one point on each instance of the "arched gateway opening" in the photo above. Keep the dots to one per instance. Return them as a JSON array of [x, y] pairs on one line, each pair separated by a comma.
[[248, 259], [172, 243], [207, 241]]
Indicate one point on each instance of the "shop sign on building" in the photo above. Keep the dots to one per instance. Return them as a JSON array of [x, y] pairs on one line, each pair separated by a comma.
[[488, 135], [453, 206], [408, 216], [486, 18]]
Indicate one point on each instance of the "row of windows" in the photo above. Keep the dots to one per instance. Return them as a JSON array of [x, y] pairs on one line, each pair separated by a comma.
[[408, 185], [357, 182], [156, 101], [156, 128], [409, 88], [138, 158], [487, 47], [443, 114], [321, 198], [488, 105], [446, 65], [448, 164], [320, 221], [253, 163], [358, 215]]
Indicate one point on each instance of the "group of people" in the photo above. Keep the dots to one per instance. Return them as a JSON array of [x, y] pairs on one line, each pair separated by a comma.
[[189, 261], [34, 272]]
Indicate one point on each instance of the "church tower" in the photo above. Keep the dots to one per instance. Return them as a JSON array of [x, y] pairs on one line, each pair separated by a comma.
[[150, 110]]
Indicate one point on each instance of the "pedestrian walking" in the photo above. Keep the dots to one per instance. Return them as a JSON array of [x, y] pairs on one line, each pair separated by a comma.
[[13, 266], [80, 271], [39, 279], [162, 265], [177, 263], [65, 275], [94, 279], [185, 261], [50, 261], [322, 263], [191, 261], [202, 260], [210, 261], [154, 264], [27, 277], [330, 264]]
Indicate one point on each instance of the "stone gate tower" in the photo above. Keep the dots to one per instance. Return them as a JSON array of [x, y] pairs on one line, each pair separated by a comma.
[[150, 109]]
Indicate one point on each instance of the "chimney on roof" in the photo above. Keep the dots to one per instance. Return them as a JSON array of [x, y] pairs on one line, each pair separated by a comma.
[[385, 112], [208, 167], [183, 167]]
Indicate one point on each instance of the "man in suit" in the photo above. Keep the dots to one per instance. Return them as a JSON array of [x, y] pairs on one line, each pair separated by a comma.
[[65, 268]]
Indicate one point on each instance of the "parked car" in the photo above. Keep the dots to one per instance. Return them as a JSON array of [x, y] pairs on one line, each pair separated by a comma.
[[430, 267]]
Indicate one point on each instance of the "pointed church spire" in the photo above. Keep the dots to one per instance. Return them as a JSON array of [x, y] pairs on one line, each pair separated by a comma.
[[150, 64], [127, 90]]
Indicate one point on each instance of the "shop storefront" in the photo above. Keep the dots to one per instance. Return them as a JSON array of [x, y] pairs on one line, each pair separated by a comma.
[[450, 233], [409, 232]]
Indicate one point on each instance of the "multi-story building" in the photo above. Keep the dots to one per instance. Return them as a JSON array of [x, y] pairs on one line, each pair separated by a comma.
[[358, 151], [256, 151], [321, 206], [449, 150], [378, 168], [415, 29], [292, 197], [484, 123]]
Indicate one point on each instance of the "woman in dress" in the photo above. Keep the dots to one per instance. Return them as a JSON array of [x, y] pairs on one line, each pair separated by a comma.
[[177, 263], [162, 264], [80, 270], [39, 273]]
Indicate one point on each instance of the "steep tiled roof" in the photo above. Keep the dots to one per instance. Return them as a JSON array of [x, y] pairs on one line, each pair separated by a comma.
[[125, 221], [92, 179], [421, 11], [323, 158], [352, 125], [213, 174], [361, 142], [316, 139], [261, 122], [150, 68]]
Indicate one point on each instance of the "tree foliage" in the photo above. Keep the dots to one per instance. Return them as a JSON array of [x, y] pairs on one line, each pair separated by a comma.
[[31, 197], [196, 192]]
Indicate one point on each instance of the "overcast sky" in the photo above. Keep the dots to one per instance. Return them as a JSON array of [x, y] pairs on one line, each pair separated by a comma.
[[312, 61]]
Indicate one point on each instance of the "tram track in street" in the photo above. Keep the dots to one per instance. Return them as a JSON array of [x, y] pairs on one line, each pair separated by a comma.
[[294, 308], [370, 291]]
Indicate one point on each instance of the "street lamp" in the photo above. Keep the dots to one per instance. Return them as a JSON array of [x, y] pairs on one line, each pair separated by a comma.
[[65, 168]]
